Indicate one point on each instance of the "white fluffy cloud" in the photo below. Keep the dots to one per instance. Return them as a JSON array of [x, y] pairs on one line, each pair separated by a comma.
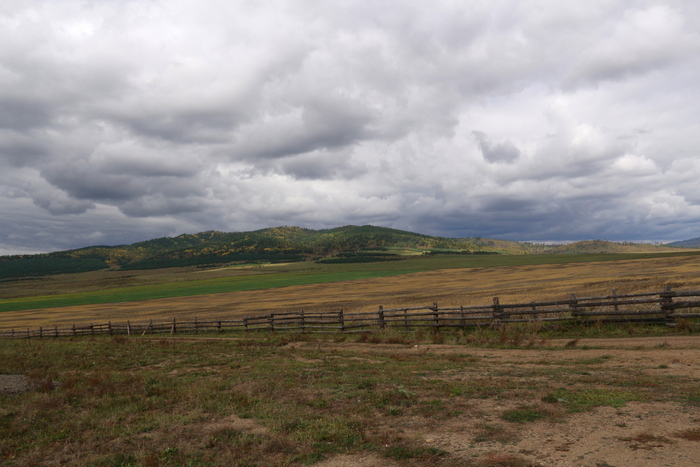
[[535, 119]]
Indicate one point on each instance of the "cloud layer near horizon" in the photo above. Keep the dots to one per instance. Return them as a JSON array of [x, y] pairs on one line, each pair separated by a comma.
[[525, 120]]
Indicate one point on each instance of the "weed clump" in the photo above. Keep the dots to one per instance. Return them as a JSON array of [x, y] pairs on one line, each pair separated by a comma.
[[522, 415]]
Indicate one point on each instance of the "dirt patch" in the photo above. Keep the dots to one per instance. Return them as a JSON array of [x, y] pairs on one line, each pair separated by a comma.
[[639, 433], [15, 384]]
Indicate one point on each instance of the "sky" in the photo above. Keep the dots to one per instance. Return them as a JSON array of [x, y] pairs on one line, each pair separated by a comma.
[[529, 120]]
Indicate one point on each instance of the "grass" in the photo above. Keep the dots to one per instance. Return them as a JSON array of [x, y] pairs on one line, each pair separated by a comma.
[[522, 415], [450, 286], [116, 286], [586, 399], [278, 400], [186, 289], [268, 401]]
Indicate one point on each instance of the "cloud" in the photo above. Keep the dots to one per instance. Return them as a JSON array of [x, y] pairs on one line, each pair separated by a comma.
[[524, 120], [504, 151], [638, 42]]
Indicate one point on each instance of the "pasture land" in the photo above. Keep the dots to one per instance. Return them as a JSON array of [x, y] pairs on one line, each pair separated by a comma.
[[235, 292], [377, 399], [509, 397]]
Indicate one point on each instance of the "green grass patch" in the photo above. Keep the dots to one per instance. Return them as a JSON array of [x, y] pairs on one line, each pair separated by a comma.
[[586, 399], [189, 288]]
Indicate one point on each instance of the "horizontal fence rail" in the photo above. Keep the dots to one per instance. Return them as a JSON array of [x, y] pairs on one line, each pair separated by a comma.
[[665, 307]]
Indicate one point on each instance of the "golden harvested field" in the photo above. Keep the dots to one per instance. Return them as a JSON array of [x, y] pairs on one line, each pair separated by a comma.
[[473, 286]]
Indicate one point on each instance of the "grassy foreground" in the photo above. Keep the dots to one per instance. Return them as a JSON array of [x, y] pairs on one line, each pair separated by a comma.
[[279, 401]]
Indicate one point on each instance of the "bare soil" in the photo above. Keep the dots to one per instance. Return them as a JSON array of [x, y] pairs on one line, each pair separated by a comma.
[[639, 434], [13, 384]]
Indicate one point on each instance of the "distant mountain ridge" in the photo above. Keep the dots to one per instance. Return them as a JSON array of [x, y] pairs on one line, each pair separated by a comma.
[[284, 244], [690, 243]]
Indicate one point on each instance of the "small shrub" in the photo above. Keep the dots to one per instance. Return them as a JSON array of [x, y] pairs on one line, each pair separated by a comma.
[[486, 432], [572, 343], [691, 434], [404, 452], [521, 415]]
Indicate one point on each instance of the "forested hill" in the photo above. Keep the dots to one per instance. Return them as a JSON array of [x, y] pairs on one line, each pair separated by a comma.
[[278, 244], [283, 244]]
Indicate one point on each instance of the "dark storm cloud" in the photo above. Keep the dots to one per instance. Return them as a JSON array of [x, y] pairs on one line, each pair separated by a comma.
[[20, 149], [23, 114], [519, 119], [82, 184], [504, 151], [321, 165], [318, 126], [58, 206]]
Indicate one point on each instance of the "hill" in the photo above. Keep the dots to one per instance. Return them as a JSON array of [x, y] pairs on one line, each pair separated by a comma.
[[347, 244], [278, 244], [691, 243], [602, 246]]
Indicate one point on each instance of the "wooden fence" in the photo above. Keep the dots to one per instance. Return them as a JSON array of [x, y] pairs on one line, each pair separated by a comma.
[[664, 307]]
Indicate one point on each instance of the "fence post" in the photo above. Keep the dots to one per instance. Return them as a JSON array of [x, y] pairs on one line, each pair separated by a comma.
[[245, 323], [92, 330], [196, 327], [272, 322], [74, 331], [464, 320], [497, 312], [380, 314], [128, 328], [109, 326], [150, 325], [614, 296], [218, 327], [405, 319], [41, 332], [173, 328], [574, 305], [55, 330], [535, 316], [667, 306], [436, 317], [303, 321], [341, 317]]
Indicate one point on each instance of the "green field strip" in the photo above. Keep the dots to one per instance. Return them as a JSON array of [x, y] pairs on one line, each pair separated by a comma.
[[186, 289]]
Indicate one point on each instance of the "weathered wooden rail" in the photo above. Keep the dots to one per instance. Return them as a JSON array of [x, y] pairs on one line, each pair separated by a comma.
[[665, 307]]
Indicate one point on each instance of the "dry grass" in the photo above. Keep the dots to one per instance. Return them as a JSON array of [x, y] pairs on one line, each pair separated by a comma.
[[282, 401], [447, 287]]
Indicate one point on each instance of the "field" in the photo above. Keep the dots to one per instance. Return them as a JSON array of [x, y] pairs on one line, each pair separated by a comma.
[[512, 397], [381, 399], [234, 292]]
